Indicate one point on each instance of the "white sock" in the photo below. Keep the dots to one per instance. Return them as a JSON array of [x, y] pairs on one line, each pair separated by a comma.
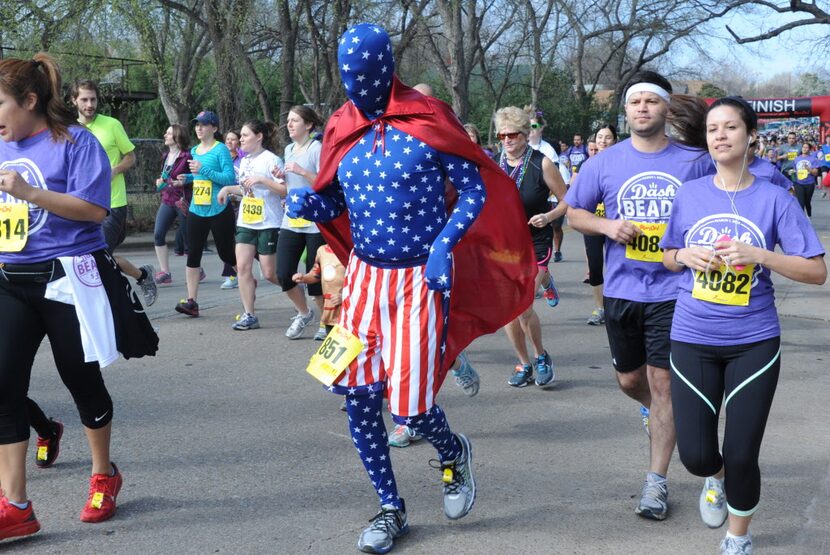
[[733, 536], [20, 506]]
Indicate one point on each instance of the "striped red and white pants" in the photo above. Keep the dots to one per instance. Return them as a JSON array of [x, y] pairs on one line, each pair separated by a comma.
[[400, 322]]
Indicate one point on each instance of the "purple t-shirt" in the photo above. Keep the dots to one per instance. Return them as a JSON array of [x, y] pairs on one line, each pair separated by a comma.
[[767, 216], [766, 170], [80, 168], [803, 164], [636, 186]]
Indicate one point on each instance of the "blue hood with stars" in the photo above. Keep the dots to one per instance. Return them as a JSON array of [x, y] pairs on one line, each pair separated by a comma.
[[366, 67]]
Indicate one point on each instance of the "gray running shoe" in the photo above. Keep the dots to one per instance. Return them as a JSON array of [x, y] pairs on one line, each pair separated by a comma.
[[402, 436], [459, 482], [545, 374], [466, 377], [713, 509], [321, 334], [522, 376], [148, 285], [298, 325], [246, 322], [654, 501], [230, 283], [741, 545], [597, 317], [388, 524]]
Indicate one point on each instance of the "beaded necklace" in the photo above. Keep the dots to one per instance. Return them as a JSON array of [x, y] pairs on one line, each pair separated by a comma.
[[517, 173]]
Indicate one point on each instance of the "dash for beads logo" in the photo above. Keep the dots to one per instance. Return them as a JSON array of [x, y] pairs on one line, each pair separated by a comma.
[[87, 270], [708, 231], [647, 197], [30, 173]]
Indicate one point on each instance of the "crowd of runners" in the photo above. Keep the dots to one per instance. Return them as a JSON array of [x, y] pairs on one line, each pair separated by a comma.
[[386, 208]]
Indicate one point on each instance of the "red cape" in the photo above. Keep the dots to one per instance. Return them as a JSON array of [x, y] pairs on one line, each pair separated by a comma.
[[494, 261]]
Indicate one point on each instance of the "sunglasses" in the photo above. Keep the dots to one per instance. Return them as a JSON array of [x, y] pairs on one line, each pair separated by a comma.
[[535, 125], [503, 136]]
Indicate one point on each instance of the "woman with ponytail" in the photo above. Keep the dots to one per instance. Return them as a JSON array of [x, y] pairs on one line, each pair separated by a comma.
[[54, 278], [260, 214]]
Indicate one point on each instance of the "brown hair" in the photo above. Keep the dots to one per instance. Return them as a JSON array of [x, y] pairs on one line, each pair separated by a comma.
[[308, 115], [87, 84], [180, 136], [267, 129], [687, 116], [39, 76]]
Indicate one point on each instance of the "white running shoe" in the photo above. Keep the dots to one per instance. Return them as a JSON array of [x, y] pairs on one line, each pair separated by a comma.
[[713, 509]]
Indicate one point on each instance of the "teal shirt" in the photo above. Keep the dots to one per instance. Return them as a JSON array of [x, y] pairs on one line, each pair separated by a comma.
[[217, 167]]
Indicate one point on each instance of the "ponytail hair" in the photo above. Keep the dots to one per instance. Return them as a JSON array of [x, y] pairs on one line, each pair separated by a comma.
[[687, 117], [39, 76], [268, 130]]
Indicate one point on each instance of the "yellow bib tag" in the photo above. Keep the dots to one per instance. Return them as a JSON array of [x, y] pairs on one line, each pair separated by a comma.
[[827, 157], [802, 174], [338, 350], [724, 287], [97, 500], [14, 226], [298, 222], [791, 155], [600, 211], [202, 192], [42, 453], [253, 210], [646, 246]]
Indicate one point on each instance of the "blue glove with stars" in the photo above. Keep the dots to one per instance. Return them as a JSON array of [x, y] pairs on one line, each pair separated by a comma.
[[326, 205], [438, 272], [296, 203]]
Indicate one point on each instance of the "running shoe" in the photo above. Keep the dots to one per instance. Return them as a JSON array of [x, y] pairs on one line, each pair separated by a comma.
[[343, 405], [402, 436], [466, 377], [654, 502], [230, 283], [163, 278], [246, 322], [390, 523], [202, 275], [522, 376], [740, 545], [16, 522], [48, 448], [321, 334], [189, 307], [459, 482], [148, 285], [550, 293], [713, 509], [545, 374], [298, 325], [557, 256], [103, 490], [597, 317], [645, 415]]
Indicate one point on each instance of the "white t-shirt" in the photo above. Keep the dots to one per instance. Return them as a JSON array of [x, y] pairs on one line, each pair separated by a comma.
[[309, 159], [262, 164], [545, 148]]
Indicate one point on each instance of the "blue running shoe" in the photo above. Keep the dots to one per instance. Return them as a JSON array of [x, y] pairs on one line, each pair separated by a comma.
[[551, 294], [522, 376], [544, 370], [644, 416]]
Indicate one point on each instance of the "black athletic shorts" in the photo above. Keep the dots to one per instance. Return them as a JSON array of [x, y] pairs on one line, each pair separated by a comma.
[[638, 333], [542, 244]]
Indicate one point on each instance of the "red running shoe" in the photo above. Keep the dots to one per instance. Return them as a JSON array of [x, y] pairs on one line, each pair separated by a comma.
[[48, 448], [103, 490], [16, 522]]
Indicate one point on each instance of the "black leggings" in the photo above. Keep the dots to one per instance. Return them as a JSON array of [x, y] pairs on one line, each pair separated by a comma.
[[290, 245], [594, 245], [38, 419], [27, 318], [223, 228], [746, 375], [804, 194]]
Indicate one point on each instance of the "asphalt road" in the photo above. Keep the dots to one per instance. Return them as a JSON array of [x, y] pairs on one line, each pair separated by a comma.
[[228, 446]]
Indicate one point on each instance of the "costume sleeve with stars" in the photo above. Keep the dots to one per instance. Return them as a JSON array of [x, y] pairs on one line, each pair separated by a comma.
[[322, 206], [465, 177]]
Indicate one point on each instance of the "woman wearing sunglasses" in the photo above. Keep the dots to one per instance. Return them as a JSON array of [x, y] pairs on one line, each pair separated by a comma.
[[537, 179]]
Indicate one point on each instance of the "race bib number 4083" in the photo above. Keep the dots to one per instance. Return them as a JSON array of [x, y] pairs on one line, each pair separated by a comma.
[[646, 246]]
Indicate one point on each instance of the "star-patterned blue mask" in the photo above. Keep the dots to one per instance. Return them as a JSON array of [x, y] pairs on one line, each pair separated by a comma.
[[366, 67]]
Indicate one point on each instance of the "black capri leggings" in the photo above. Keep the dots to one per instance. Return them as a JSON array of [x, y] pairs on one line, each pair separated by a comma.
[[804, 194], [223, 228], [594, 245], [746, 375], [290, 247], [27, 318]]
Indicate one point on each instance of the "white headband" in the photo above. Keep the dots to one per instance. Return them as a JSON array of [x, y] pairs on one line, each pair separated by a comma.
[[647, 87]]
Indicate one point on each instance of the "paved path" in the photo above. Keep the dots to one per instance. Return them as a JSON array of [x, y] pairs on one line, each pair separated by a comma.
[[227, 446]]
